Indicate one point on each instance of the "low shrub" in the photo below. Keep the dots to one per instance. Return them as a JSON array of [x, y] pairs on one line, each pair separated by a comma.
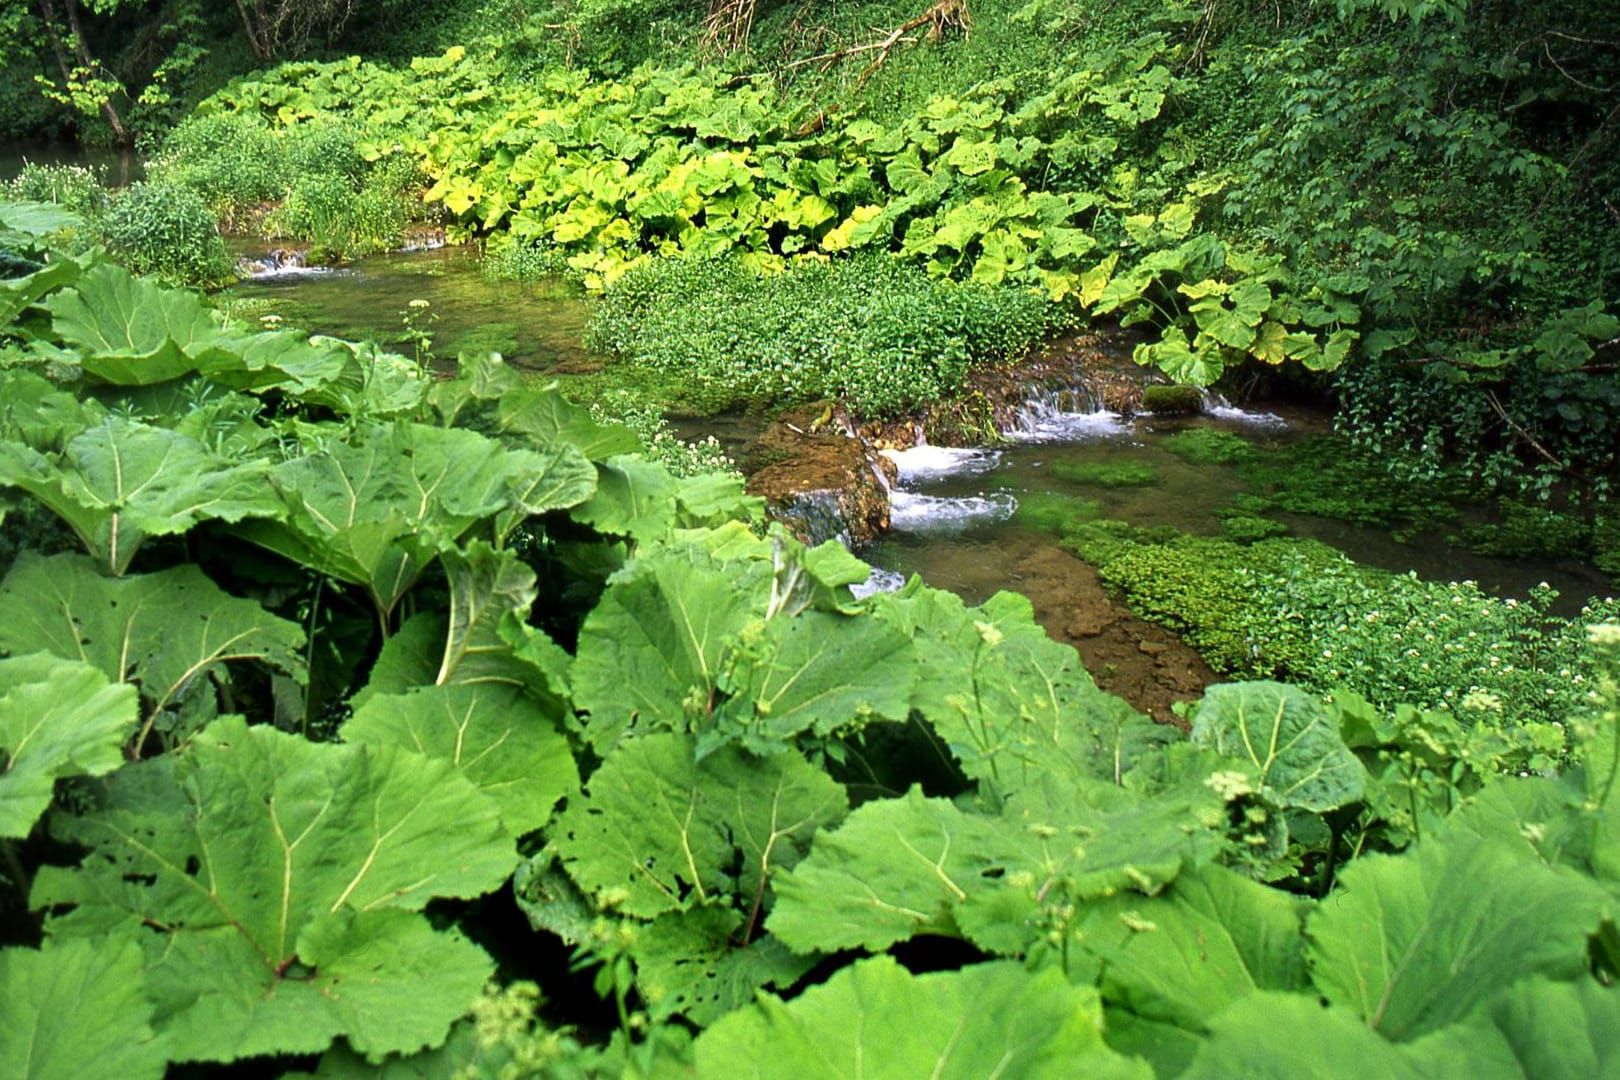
[[879, 333], [168, 231], [77, 188]]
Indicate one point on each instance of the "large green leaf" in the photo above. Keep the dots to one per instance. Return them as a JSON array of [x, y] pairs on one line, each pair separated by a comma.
[[167, 631], [133, 331], [651, 652], [634, 497], [1538, 1029], [77, 1009], [896, 868], [914, 865], [502, 740], [1290, 738], [1012, 704], [16, 294], [696, 964], [375, 509], [817, 671], [57, 718], [1414, 942], [1208, 940], [122, 481], [549, 419], [877, 1021], [1278, 1036], [661, 831], [274, 885]]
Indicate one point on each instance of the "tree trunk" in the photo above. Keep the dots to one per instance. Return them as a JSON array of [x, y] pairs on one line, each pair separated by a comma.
[[52, 19]]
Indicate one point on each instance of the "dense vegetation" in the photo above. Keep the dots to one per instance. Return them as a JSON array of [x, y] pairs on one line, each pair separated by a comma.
[[363, 723], [306, 653]]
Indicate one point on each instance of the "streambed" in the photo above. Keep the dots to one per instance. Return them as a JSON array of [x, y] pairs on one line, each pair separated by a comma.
[[954, 511]]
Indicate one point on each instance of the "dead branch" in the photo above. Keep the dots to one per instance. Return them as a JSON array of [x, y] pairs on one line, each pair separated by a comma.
[[944, 16]]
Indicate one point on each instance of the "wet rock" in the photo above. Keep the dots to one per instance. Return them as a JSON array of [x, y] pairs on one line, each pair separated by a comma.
[[823, 481]]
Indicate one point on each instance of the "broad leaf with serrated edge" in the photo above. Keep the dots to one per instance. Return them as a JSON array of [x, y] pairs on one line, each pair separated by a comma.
[[277, 881], [1290, 738], [163, 630], [133, 331], [1412, 943], [653, 648], [1012, 704], [660, 831], [122, 481], [1183, 956], [877, 1021], [501, 739], [693, 964], [914, 865], [57, 718], [77, 1009]]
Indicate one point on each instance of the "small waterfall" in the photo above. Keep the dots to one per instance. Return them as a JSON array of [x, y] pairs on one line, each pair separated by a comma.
[[1216, 405], [815, 517], [277, 262]]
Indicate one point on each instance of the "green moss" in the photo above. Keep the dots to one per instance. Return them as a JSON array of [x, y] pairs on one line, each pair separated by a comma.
[[1054, 513], [1247, 529], [1327, 477], [1109, 474], [1172, 400], [1208, 446]]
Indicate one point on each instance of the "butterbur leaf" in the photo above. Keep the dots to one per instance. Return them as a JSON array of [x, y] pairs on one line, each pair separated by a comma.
[[57, 718], [1011, 704], [1416, 942], [896, 868], [1185, 955], [1537, 1028], [276, 881], [817, 672], [77, 1009], [122, 481], [131, 331], [164, 630], [876, 1020], [1279, 1036], [496, 736], [634, 497], [1288, 736], [694, 964], [548, 419], [486, 585], [654, 646], [658, 830]]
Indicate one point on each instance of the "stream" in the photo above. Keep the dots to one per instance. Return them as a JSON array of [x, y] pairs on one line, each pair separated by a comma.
[[953, 510]]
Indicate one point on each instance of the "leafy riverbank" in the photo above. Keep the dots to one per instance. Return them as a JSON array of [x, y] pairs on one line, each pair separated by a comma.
[[328, 651]]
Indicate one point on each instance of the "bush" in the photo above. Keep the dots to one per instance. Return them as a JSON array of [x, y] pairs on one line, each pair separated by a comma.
[[233, 160], [873, 330], [168, 231], [73, 187]]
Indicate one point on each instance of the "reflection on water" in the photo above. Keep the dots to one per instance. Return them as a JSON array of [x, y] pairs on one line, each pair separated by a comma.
[[120, 167], [531, 325]]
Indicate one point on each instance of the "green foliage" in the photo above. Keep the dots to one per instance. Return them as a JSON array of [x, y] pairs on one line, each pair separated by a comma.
[[75, 1007], [1323, 476], [57, 718], [1107, 474], [869, 329], [1301, 611], [1208, 446], [77, 188], [168, 231]]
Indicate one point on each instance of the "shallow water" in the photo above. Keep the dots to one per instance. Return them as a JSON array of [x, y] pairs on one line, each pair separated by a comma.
[[121, 167], [953, 510], [532, 325]]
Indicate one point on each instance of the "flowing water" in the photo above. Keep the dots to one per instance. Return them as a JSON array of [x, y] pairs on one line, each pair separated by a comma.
[[954, 515]]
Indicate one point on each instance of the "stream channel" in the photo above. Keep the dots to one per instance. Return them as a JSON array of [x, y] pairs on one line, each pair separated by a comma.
[[953, 517]]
